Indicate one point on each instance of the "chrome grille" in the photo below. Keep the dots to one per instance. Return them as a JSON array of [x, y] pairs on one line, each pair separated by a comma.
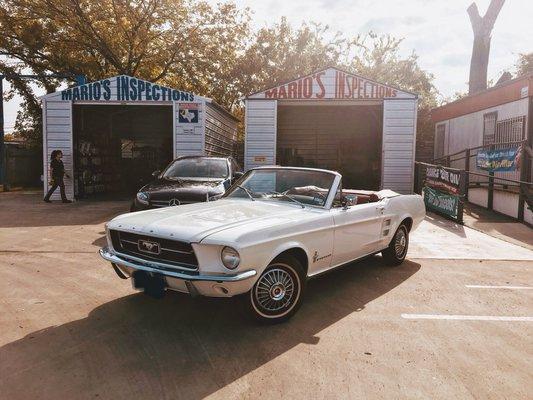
[[165, 203], [173, 252]]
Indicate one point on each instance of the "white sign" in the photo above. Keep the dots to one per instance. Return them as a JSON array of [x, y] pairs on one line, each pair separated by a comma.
[[331, 83]]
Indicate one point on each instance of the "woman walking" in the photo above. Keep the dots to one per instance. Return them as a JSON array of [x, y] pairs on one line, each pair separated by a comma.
[[58, 171]]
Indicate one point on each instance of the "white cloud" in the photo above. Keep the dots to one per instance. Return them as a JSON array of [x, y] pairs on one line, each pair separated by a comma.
[[439, 31]]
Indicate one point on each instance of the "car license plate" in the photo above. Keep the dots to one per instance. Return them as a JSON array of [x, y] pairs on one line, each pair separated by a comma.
[[153, 284]]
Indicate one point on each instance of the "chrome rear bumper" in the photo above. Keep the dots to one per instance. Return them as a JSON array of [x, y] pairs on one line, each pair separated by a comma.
[[163, 269]]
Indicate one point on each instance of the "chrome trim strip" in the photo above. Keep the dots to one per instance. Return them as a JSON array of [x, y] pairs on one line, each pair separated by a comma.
[[162, 265], [112, 257], [162, 248], [177, 251]]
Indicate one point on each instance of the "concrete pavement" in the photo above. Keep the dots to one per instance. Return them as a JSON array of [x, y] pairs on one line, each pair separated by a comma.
[[72, 329]]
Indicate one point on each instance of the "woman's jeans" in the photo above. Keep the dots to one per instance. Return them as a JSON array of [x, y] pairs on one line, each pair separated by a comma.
[[58, 182]]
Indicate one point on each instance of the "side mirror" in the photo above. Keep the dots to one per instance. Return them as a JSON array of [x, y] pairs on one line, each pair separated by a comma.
[[156, 174], [348, 201]]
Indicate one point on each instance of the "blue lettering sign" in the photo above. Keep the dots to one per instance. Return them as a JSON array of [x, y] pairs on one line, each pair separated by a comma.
[[107, 90], [155, 92], [66, 95], [97, 91], [75, 93], [123, 92], [133, 89], [148, 91], [127, 89], [140, 88], [83, 93]]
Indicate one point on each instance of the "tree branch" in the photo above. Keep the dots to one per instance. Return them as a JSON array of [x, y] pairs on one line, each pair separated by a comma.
[[475, 18]]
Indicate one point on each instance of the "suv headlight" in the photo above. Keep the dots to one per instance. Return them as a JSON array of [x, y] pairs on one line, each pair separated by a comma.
[[230, 257], [142, 197]]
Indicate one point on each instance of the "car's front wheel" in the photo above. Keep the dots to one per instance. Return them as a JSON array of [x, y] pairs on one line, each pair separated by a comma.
[[397, 250], [277, 294]]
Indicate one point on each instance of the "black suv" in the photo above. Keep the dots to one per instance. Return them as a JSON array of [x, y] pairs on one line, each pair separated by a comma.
[[188, 179]]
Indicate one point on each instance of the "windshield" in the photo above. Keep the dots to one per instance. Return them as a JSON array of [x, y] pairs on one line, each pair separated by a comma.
[[288, 185], [197, 167]]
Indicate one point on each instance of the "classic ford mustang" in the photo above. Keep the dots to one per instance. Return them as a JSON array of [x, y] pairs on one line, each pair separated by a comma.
[[274, 228]]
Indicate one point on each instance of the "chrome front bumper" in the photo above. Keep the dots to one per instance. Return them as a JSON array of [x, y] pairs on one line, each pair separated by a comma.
[[127, 264]]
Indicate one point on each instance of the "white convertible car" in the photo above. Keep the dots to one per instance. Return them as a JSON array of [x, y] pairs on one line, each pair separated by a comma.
[[273, 229]]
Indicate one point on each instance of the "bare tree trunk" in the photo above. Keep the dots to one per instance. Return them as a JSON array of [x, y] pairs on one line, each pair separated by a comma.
[[482, 27]]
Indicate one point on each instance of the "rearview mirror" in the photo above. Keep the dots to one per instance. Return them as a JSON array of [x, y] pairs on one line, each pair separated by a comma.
[[156, 174], [237, 175]]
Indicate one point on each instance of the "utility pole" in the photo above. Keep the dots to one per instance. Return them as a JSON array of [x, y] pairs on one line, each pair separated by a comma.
[[80, 80]]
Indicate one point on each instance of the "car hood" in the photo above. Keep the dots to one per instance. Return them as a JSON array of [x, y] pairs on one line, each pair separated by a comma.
[[194, 222], [164, 188]]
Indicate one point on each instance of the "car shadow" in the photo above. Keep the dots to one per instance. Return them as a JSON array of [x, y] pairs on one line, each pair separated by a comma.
[[101, 241], [179, 347]]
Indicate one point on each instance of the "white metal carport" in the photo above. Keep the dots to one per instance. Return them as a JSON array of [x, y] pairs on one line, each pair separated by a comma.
[[199, 125], [341, 92]]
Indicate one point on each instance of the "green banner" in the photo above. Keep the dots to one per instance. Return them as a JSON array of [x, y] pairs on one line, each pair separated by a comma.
[[444, 203]]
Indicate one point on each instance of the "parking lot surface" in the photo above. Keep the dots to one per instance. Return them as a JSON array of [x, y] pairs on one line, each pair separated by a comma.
[[454, 321]]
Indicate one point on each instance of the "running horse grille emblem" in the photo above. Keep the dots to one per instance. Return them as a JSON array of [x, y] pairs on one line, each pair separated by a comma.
[[149, 247]]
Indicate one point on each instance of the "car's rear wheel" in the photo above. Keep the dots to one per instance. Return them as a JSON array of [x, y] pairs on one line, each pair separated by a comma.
[[397, 250], [277, 294]]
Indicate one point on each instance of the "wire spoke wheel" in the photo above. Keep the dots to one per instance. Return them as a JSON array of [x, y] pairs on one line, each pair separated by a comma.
[[276, 291], [397, 250], [400, 243]]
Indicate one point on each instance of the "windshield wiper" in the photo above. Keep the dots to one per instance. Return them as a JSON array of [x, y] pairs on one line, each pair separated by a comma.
[[248, 192], [287, 196]]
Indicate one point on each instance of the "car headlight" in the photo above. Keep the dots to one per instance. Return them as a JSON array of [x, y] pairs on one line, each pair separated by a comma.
[[230, 257], [142, 197]]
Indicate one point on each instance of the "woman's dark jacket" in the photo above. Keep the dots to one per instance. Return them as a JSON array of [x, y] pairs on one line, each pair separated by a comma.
[[58, 169]]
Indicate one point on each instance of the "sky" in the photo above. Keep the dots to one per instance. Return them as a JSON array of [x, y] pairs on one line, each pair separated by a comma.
[[438, 31]]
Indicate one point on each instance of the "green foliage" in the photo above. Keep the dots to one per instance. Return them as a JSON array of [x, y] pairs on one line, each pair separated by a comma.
[[182, 43], [524, 64], [186, 44], [379, 58]]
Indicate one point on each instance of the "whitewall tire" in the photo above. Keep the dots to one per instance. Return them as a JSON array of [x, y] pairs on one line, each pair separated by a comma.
[[397, 251], [278, 292]]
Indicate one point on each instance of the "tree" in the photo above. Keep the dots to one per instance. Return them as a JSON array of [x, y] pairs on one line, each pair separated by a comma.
[[181, 43], [482, 28], [185, 44], [280, 52], [378, 58], [524, 64]]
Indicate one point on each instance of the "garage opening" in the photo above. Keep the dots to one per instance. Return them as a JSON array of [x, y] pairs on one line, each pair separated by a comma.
[[345, 138], [117, 147]]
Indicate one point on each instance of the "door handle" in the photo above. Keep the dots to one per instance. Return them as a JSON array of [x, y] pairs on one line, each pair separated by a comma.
[[381, 209]]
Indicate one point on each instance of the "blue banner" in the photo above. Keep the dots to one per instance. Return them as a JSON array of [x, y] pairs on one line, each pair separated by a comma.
[[499, 160]]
